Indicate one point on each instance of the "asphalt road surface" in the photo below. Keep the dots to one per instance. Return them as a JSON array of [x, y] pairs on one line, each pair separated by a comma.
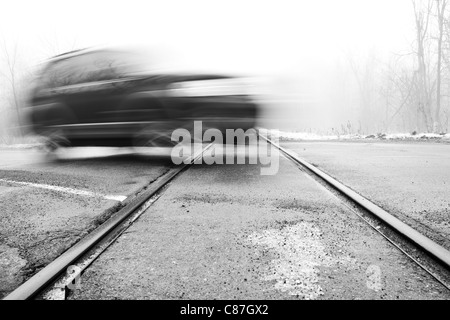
[[224, 231], [45, 207], [409, 180]]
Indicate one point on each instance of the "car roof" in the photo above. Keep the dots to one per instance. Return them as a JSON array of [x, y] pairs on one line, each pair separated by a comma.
[[79, 52]]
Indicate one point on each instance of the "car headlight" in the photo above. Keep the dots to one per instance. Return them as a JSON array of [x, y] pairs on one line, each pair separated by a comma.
[[207, 88]]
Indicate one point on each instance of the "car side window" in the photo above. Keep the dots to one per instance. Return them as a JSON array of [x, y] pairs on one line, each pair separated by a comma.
[[84, 68]]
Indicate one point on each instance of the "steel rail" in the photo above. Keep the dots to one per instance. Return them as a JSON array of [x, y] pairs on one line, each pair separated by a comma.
[[48, 274], [436, 250]]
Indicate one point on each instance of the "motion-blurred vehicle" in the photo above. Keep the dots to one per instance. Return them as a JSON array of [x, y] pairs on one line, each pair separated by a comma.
[[108, 97]]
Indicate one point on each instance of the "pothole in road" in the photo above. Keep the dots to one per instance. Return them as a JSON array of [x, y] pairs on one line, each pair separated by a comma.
[[300, 253], [10, 265]]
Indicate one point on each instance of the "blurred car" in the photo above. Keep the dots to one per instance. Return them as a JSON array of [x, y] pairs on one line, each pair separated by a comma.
[[108, 97]]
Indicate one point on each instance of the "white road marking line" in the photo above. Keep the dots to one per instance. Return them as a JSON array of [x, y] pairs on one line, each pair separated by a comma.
[[67, 190]]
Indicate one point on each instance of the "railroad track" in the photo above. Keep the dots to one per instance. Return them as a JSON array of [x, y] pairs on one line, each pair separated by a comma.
[[55, 281], [426, 253]]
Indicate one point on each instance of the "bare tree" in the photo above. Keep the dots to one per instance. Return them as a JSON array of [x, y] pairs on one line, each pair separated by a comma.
[[422, 22], [11, 74], [365, 74], [401, 81], [441, 6]]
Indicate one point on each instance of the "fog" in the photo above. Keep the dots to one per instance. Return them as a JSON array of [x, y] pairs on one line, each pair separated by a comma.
[[318, 66]]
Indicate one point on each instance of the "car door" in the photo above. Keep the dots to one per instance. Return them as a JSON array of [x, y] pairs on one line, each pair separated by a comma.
[[90, 85]]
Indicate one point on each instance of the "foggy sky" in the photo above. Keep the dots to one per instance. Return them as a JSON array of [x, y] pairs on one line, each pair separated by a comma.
[[297, 45]]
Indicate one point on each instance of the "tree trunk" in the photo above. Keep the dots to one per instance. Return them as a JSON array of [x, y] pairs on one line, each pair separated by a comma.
[[440, 16]]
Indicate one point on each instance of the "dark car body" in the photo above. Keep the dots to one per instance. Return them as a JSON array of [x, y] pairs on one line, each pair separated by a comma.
[[104, 97]]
